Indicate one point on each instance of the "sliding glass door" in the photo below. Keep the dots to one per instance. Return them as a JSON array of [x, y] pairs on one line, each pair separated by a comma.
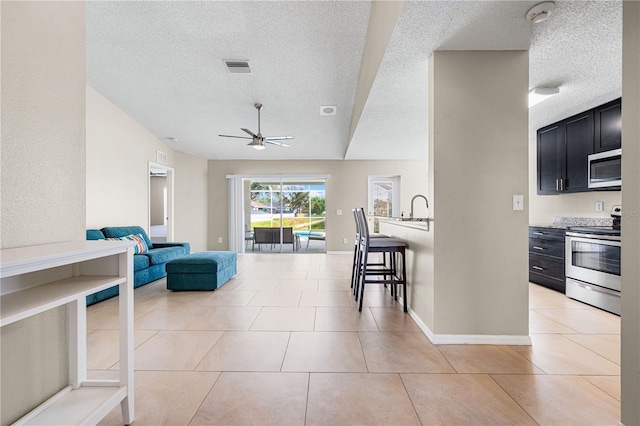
[[287, 215]]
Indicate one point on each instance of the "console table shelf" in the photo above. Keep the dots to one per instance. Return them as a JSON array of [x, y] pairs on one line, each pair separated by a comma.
[[86, 405], [31, 301], [38, 278]]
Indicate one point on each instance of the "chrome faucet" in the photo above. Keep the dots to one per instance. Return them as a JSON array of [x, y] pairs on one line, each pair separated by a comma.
[[413, 199]]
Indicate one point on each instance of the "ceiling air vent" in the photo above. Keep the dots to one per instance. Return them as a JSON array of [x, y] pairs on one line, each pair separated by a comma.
[[238, 67], [161, 157]]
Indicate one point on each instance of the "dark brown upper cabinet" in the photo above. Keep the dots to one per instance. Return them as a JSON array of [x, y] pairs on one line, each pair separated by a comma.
[[563, 151], [608, 126], [563, 148]]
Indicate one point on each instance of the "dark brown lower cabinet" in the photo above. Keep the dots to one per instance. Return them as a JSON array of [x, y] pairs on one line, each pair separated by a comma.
[[546, 257]]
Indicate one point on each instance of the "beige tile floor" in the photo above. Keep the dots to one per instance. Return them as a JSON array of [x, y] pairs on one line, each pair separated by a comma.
[[283, 343]]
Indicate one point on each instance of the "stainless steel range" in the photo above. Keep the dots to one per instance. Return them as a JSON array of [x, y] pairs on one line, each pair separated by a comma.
[[593, 264]]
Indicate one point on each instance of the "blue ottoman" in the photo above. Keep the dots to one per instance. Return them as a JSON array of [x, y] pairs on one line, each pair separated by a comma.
[[205, 270]]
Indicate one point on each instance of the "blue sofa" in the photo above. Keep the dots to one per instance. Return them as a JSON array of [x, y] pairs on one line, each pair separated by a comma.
[[147, 267]]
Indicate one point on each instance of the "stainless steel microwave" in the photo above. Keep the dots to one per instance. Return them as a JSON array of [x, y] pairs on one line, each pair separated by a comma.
[[605, 169]]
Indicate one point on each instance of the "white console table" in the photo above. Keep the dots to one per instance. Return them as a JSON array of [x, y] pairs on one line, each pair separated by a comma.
[[38, 278]]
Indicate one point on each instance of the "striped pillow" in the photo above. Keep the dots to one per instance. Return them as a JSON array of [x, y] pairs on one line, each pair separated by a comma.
[[141, 245]]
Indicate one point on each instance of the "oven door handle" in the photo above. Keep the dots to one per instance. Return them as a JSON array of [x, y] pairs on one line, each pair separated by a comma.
[[591, 237]]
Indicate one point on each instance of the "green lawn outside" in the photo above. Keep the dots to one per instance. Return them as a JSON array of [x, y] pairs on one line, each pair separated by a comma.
[[297, 223]]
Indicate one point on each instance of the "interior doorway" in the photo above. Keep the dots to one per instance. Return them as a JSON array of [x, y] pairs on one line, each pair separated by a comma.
[[160, 203]]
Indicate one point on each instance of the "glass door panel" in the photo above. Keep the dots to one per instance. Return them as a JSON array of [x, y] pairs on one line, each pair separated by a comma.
[[293, 209]]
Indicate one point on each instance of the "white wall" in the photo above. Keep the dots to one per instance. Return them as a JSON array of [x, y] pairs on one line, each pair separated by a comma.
[[346, 189], [477, 162], [119, 150], [190, 188], [43, 131], [630, 354], [43, 177]]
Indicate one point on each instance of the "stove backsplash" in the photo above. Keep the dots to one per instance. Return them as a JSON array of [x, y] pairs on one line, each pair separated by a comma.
[[583, 221]]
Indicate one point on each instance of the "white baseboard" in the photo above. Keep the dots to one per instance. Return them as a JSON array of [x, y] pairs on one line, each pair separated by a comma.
[[468, 339], [420, 324], [481, 339]]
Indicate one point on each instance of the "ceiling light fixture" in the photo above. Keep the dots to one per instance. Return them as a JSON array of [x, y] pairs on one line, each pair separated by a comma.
[[257, 144], [539, 94], [540, 12]]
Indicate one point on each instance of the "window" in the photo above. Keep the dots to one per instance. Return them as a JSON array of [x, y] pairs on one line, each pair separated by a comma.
[[384, 196]]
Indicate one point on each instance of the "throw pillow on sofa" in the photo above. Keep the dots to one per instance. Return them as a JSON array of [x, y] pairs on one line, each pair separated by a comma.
[[141, 245]]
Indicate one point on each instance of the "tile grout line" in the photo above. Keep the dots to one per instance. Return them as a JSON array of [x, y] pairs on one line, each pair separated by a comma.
[[286, 348], [205, 398], [364, 357], [306, 405], [513, 399], [415, 410], [587, 348]]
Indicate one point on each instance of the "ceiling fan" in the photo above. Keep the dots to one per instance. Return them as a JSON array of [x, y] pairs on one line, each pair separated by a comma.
[[257, 140]]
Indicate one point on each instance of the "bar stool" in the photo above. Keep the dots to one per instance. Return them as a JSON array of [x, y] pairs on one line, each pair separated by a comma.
[[365, 272], [356, 250]]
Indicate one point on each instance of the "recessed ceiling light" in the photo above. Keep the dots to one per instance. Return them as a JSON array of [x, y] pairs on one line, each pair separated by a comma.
[[328, 110], [171, 139], [540, 12]]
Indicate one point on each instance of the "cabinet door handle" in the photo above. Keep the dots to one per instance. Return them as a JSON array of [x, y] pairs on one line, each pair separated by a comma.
[[562, 185], [537, 268], [557, 184], [538, 233], [538, 248]]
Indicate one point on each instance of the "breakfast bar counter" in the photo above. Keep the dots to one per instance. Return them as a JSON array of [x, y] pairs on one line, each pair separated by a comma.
[[418, 234]]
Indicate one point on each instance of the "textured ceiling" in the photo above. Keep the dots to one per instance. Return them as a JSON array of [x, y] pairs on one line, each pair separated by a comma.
[[162, 63], [578, 49]]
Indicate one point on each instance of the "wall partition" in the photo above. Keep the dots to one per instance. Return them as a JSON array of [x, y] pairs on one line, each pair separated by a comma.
[[277, 214]]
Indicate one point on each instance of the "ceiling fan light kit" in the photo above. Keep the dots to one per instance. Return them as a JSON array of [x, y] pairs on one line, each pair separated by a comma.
[[257, 145], [257, 140]]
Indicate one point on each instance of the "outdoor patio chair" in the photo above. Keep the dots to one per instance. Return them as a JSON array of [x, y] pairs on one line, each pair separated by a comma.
[[317, 237]]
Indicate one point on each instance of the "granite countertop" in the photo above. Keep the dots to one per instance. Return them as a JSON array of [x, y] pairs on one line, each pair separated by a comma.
[[566, 222], [550, 225], [422, 225]]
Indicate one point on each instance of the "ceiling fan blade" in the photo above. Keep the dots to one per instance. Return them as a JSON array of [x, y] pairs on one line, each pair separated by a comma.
[[277, 143], [257, 140], [278, 138], [249, 132], [239, 137]]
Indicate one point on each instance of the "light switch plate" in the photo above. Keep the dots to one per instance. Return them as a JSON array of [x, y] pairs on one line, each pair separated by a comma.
[[338, 212], [518, 202]]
